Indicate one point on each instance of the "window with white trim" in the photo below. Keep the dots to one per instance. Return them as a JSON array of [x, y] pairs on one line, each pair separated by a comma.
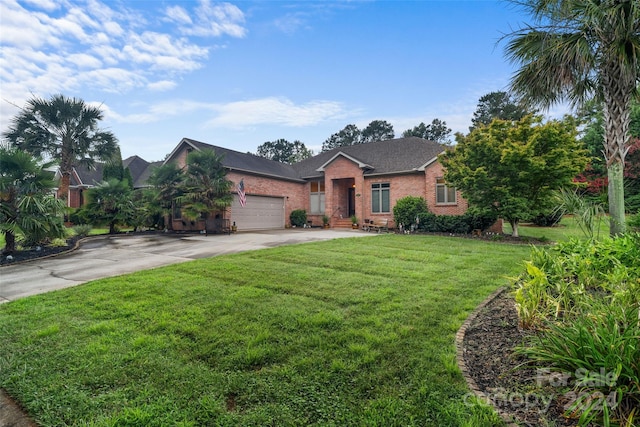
[[445, 195], [317, 197], [380, 197]]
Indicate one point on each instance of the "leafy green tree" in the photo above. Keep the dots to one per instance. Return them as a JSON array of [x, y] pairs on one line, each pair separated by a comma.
[[498, 105], [377, 130], [65, 129], [206, 187], [436, 131], [27, 206], [284, 151], [513, 168], [350, 135], [110, 203], [578, 49]]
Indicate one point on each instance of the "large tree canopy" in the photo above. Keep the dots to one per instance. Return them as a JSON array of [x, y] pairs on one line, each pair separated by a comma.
[[377, 130], [498, 105], [350, 135], [284, 151], [514, 167], [577, 50], [436, 131], [64, 129]]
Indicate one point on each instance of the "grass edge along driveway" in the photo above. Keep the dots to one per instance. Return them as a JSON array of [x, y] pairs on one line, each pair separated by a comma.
[[345, 332]]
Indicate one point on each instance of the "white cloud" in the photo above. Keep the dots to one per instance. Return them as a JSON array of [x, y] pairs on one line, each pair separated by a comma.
[[161, 86], [178, 14], [48, 5], [80, 45], [82, 60], [275, 111], [214, 20], [234, 115], [291, 23]]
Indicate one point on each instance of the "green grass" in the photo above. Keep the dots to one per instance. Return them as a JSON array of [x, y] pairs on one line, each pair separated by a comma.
[[566, 229], [345, 332]]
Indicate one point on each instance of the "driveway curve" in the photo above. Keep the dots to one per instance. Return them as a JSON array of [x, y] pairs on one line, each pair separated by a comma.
[[109, 256]]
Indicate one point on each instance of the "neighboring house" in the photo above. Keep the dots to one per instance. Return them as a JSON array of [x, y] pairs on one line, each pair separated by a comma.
[[140, 170], [81, 179], [364, 180]]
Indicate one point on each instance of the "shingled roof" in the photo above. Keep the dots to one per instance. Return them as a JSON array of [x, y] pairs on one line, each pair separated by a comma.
[[245, 162], [140, 170], [393, 156], [84, 176]]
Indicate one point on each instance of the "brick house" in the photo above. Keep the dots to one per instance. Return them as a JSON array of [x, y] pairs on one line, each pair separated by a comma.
[[364, 180], [83, 178]]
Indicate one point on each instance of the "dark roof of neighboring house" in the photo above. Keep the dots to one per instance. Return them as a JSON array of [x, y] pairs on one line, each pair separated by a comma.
[[245, 162], [140, 170], [391, 156], [87, 176]]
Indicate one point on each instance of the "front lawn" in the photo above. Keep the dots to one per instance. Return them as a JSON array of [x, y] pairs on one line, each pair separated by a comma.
[[344, 332]]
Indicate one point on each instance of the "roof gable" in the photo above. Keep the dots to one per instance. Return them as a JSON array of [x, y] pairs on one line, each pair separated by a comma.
[[242, 162], [360, 164], [393, 156], [140, 170]]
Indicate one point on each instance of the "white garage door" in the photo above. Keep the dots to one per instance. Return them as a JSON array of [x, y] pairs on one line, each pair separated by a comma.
[[259, 213]]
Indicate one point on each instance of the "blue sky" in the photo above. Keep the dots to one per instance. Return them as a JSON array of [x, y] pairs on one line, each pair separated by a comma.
[[237, 74]]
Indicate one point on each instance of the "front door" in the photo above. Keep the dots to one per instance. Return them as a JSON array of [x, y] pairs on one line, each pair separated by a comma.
[[352, 201]]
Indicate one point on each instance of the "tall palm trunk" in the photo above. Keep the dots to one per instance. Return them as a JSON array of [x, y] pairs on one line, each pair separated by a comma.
[[9, 243], [63, 190], [617, 89]]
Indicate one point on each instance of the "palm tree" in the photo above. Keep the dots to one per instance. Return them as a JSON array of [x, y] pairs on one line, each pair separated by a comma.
[[27, 206], [167, 183], [577, 50], [207, 187], [66, 130], [110, 202]]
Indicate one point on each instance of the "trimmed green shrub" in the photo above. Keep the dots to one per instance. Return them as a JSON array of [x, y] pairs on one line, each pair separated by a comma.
[[82, 230], [457, 224], [548, 219], [408, 209], [298, 217]]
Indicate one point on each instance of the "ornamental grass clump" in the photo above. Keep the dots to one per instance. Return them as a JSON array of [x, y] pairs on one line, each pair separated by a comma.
[[583, 299]]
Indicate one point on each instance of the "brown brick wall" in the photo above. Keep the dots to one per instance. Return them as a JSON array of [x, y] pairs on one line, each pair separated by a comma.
[[296, 195], [433, 172], [339, 176]]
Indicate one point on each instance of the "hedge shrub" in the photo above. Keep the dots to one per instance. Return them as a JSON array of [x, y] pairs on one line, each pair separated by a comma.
[[298, 217]]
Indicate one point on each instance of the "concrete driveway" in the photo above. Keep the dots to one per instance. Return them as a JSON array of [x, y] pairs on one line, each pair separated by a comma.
[[114, 255]]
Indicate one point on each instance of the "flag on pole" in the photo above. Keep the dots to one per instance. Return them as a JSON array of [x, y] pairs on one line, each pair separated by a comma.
[[242, 197]]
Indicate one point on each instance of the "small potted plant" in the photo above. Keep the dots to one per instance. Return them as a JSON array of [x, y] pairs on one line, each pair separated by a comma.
[[325, 221], [354, 222]]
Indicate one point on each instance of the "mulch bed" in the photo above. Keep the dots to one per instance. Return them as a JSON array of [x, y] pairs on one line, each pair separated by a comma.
[[492, 362], [36, 252]]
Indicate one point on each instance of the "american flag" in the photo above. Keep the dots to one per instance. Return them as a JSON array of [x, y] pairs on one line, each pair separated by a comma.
[[241, 195]]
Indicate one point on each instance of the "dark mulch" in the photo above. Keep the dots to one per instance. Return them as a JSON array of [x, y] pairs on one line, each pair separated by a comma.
[[36, 252], [503, 375]]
